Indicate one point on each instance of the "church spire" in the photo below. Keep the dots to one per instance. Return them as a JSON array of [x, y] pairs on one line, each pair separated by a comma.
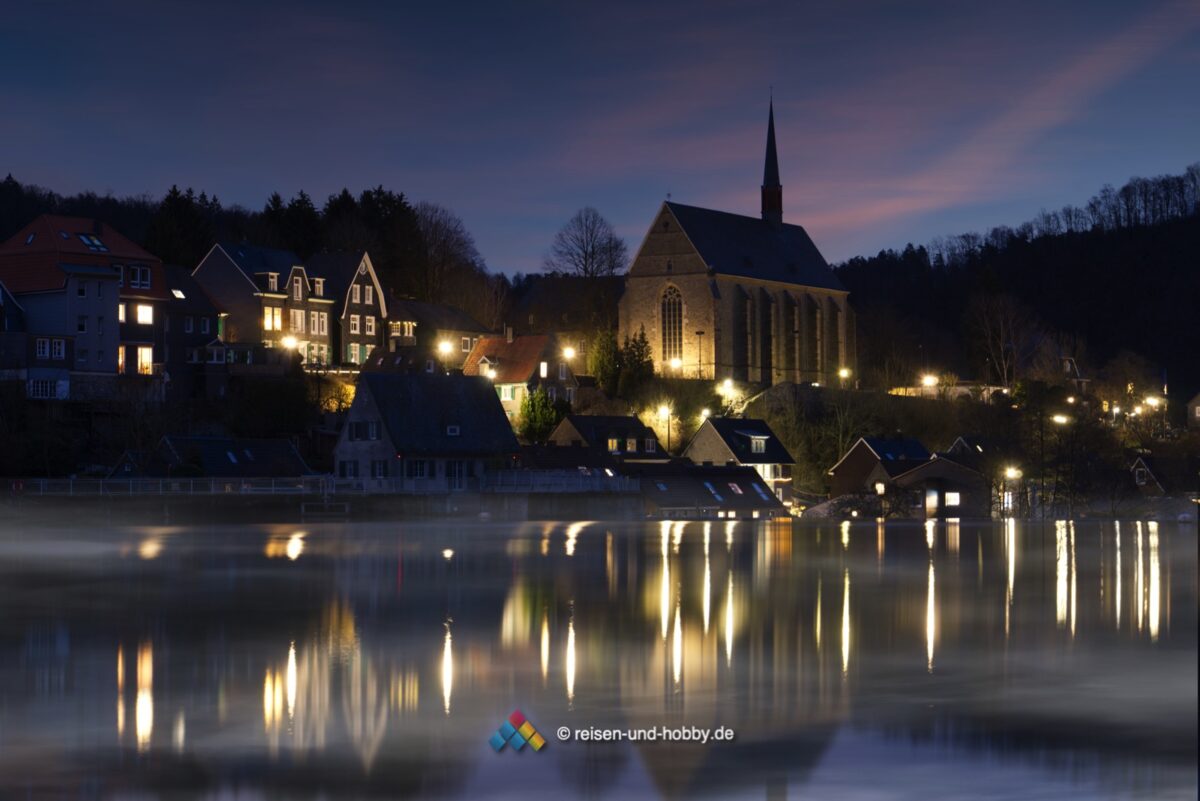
[[772, 190]]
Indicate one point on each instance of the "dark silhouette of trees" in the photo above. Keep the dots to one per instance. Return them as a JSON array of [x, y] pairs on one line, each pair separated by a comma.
[[588, 246]]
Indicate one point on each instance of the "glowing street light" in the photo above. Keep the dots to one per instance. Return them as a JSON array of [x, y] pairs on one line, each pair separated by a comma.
[[1152, 402], [676, 363], [444, 347], [491, 373], [705, 414], [568, 353], [1071, 399], [727, 385], [1060, 419], [929, 380], [1012, 473], [289, 342]]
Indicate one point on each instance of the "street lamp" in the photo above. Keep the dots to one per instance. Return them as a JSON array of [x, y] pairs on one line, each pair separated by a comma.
[[568, 353], [444, 348], [289, 342], [1060, 419], [929, 380], [843, 374], [705, 414], [664, 413], [675, 363]]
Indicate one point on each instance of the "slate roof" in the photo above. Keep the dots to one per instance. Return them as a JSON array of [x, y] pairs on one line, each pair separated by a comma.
[[515, 362], [194, 300], [32, 260], [338, 269], [252, 260], [737, 434], [597, 429], [418, 409], [433, 316], [251, 458], [896, 456], [749, 247], [682, 485]]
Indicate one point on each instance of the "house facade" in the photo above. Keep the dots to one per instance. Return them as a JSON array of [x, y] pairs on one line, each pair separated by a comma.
[[435, 334], [359, 305], [746, 442], [92, 303], [423, 432], [624, 438], [722, 295], [268, 298], [192, 322], [520, 365]]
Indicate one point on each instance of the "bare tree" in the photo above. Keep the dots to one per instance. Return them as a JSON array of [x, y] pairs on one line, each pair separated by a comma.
[[587, 246], [449, 251], [1008, 334]]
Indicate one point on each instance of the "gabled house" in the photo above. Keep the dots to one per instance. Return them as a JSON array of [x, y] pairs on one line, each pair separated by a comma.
[[191, 322], [422, 432], [626, 438], [1165, 476], [359, 306], [518, 366], [86, 288], [872, 462], [432, 334], [213, 457], [269, 298], [932, 485], [746, 442]]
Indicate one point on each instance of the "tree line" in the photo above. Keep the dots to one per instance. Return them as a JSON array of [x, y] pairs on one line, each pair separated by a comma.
[[1111, 284]]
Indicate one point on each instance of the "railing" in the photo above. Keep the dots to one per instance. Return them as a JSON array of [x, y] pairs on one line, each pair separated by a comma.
[[514, 481]]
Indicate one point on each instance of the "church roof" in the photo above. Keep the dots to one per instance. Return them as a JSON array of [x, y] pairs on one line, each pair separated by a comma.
[[749, 247]]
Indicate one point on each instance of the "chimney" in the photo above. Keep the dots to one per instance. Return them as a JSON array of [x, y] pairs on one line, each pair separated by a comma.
[[508, 334]]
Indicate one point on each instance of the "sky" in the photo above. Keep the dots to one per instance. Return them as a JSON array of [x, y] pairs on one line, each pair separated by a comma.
[[896, 121]]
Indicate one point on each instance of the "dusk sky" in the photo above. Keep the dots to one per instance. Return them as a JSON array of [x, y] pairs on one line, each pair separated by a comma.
[[897, 121]]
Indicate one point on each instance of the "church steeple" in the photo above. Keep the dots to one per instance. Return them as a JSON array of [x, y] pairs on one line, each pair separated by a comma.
[[772, 190]]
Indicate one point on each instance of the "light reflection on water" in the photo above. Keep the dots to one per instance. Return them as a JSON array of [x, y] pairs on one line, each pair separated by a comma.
[[986, 641]]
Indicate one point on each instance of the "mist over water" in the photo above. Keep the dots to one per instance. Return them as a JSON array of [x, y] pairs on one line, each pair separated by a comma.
[[852, 660]]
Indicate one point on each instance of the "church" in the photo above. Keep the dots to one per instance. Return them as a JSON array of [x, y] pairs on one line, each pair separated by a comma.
[[723, 295]]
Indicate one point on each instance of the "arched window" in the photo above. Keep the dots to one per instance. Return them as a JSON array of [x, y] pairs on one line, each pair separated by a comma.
[[672, 324]]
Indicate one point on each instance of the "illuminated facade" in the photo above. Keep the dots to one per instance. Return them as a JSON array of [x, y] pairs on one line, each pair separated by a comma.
[[722, 295]]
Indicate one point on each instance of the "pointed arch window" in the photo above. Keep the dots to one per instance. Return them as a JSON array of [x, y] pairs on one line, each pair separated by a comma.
[[672, 324]]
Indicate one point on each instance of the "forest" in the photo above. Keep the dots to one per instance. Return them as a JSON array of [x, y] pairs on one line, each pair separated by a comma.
[[1114, 284]]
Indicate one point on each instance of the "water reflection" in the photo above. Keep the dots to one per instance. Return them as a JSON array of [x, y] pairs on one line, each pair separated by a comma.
[[653, 624]]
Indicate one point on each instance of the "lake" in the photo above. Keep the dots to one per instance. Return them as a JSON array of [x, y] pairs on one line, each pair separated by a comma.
[[853, 661]]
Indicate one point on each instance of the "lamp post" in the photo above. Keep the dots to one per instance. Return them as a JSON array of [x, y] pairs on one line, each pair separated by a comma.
[[699, 353], [664, 413], [444, 347], [843, 374]]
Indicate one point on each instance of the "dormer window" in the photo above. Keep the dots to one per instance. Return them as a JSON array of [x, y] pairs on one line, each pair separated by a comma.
[[758, 445], [273, 282], [93, 243], [297, 288], [319, 287]]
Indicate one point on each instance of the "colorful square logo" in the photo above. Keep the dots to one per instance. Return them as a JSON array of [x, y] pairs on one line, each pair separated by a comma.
[[516, 732]]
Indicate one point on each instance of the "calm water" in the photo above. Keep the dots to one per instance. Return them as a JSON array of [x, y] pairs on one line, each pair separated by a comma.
[[375, 661]]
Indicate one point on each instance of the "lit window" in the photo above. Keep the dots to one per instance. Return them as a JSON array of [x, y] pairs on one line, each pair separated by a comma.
[[145, 360], [672, 324], [354, 323], [614, 445], [120, 312], [297, 320], [121, 359], [953, 499], [356, 294], [370, 323], [145, 314], [544, 370], [369, 297], [631, 445], [324, 323], [298, 288], [758, 445], [319, 287], [178, 293], [314, 322]]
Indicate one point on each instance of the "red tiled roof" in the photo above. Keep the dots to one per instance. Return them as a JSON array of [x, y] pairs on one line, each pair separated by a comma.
[[29, 261], [515, 362]]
